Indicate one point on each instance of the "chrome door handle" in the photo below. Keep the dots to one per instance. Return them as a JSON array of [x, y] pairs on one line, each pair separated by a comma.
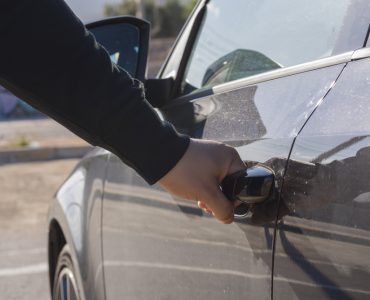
[[251, 186]]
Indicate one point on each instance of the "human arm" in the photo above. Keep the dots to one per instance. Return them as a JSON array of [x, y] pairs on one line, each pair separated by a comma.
[[50, 60]]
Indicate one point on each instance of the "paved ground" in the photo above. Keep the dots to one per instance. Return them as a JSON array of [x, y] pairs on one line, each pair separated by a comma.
[[36, 133], [26, 190]]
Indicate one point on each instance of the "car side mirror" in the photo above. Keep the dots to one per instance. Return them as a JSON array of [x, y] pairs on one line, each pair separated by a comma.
[[127, 41]]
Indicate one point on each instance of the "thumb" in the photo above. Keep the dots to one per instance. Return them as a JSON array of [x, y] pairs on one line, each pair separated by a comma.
[[215, 201]]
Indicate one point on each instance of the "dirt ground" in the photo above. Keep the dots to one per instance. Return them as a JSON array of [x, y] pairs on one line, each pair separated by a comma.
[[26, 190]]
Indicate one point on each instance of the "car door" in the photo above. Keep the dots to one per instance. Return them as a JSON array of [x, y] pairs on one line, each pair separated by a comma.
[[255, 96], [323, 244]]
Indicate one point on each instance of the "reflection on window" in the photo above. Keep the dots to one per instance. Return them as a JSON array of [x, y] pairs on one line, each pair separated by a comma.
[[122, 43], [11, 107], [237, 64], [254, 36], [114, 57]]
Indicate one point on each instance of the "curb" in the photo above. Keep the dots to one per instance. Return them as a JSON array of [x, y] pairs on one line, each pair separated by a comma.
[[40, 154]]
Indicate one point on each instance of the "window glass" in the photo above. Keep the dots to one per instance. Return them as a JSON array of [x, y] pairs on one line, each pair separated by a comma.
[[247, 37], [173, 63], [122, 43]]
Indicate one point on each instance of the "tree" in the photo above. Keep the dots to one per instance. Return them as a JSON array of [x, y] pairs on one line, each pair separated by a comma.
[[171, 18], [124, 8], [166, 20], [188, 7]]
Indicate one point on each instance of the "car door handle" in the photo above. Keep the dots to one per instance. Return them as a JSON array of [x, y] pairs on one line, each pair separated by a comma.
[[251, 186]]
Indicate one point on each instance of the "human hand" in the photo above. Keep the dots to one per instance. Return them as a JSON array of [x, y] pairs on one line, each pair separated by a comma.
[[198, 174]]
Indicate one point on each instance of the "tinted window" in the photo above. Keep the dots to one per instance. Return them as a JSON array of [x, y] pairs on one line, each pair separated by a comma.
[[256, 36]]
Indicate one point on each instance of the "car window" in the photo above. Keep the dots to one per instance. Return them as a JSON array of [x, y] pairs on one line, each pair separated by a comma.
[[172, 65], [243, 38]]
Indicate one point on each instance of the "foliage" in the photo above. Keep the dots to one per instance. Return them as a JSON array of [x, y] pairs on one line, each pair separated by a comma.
[[123, 8], [165, 20], [188, 8], [20, 141]]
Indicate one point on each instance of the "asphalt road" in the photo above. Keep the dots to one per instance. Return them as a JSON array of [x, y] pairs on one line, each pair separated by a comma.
[[26, 190]]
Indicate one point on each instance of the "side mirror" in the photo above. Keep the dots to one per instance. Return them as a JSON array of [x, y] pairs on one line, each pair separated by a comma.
[[127, 41]]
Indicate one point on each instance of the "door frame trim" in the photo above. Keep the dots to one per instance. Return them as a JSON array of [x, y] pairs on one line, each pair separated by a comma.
[[278, 73]]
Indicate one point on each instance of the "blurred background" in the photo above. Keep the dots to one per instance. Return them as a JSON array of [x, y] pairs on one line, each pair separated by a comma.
[[36, 153]]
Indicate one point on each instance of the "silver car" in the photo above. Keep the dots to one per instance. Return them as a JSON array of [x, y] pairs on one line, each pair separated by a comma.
[[288, 84]]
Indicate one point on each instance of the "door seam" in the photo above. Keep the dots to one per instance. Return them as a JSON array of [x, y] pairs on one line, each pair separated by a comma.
[[283, 178]]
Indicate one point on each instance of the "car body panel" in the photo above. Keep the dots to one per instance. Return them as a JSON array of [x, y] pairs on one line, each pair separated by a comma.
[[323, 246], [158, 246], [77, 210], [140, 242]]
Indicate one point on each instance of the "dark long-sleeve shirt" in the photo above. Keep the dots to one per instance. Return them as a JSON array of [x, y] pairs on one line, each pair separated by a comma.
[[50, 60]]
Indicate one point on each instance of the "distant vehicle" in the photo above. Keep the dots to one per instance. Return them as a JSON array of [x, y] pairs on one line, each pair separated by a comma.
[[288, 84], [12, 107]]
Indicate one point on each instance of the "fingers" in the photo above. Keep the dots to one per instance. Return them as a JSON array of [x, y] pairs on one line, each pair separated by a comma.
[[204, 207], [229, 163], [216, 202], [237, 203]]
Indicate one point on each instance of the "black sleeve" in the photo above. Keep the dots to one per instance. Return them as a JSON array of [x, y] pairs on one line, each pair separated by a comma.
[[49, 59]]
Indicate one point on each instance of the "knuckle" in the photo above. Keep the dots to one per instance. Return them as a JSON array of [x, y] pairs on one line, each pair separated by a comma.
[[228, 220], [231, 152]]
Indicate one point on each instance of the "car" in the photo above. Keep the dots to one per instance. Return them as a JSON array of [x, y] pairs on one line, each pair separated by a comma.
[[287, 83]]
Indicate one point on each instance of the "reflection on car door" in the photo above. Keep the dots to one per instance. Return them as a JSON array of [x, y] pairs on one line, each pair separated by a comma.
[[323, 245], [161, 247]]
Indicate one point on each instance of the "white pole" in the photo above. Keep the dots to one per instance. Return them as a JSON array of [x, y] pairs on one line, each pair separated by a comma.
[[140, 9]]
